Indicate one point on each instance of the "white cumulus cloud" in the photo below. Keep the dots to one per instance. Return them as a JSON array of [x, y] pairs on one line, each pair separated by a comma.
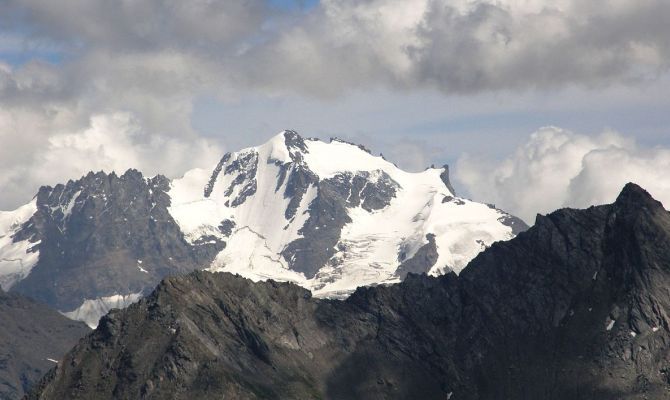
[[556, 168], [109, 142]]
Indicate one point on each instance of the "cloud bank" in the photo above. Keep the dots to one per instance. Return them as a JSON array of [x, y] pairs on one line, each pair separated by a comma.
[[109, 142], [66, 65], [556, 168], [457, 46]]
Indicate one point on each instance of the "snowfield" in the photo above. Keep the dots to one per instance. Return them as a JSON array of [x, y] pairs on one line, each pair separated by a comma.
[[369, 246], [17, 258]]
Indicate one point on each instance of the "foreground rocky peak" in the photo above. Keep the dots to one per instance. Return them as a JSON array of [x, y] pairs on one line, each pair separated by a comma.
[[575, 307]]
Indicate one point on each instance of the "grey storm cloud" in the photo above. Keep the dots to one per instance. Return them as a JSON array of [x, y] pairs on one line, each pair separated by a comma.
[[457, 46]]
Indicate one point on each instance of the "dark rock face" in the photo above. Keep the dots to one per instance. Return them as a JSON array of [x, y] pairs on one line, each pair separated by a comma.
[[245, 167], [226, 227], [215, 174], [294, 143], [445, 178], [96, 230], [576, 307], [30, 333], [299, 180]]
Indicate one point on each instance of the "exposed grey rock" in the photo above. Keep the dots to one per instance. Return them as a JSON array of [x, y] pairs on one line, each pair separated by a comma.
[[530, 318], [245, 168], [445, 178], [215, 174], [294, 143], [299, 180], [226, 227], [378, 194], [30, 334], [456, 200], [321, 232], [421, 262]]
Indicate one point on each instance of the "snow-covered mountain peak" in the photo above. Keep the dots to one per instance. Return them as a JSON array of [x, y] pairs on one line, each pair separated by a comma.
[[330, 215], [323, 160]]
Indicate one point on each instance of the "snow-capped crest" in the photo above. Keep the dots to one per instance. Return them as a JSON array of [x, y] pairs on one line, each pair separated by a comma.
[[330, 216]]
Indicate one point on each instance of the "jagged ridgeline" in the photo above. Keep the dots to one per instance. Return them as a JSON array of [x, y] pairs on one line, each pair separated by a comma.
[[327, 216], [573, 308]]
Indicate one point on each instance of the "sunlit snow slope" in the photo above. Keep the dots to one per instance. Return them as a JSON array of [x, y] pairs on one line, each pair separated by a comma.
[[18, 255], [331, 216]]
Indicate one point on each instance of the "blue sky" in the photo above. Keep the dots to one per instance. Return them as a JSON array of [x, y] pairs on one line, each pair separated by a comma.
[[294, 4]]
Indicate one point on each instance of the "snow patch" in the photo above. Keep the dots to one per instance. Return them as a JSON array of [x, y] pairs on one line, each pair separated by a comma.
[[70, 205], [16, 258], [247, 254], [91, 310]]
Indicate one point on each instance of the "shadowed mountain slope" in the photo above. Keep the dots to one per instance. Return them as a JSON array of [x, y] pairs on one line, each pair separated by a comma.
[[33, 338]]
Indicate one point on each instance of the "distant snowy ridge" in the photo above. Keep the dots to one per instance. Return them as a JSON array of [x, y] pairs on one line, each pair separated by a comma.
[[331, 216], [327, 216]]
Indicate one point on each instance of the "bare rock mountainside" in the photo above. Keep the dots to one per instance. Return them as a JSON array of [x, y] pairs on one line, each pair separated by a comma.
[[33, 337], [327, 216], [575, 307]]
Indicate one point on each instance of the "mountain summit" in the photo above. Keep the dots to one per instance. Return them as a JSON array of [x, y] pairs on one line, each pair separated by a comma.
[[331, 216], [327, 216]]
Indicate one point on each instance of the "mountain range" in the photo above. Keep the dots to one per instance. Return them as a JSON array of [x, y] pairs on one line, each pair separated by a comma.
[[327, 216], [574, 307]]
